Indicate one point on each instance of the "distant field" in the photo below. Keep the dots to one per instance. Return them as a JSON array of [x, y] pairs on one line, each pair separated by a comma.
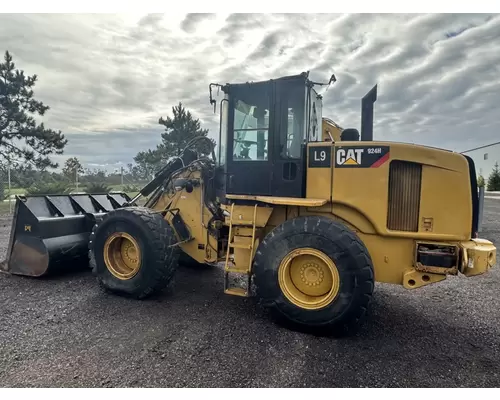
[[15, 191], [4, 207]]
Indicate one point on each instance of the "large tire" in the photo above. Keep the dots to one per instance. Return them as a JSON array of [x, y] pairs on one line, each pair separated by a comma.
[[153, 236], [352, 267]]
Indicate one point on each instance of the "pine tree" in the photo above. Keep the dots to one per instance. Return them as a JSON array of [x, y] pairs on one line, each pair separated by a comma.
[[480, 181], [494, 179], [179, 130], [17, 121], [72, 166]]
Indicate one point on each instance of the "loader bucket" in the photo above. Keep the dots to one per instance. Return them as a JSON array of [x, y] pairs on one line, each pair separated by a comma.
[[50, 233]]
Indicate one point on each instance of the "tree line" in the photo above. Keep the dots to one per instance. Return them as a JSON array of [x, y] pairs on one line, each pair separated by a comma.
[[26, 146], [493, 183]]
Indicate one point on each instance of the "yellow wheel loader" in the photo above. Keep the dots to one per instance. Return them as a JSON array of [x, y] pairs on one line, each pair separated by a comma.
[[310, 215]]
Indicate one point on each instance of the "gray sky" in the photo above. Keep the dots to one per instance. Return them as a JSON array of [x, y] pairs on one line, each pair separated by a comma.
[[108, 78]]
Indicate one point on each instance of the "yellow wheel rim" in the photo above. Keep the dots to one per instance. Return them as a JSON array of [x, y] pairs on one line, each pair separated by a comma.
[[122, 255], [309, 278]]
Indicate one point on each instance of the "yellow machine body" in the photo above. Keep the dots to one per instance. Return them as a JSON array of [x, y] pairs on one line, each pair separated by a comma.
[[331, 130], [410, 197]]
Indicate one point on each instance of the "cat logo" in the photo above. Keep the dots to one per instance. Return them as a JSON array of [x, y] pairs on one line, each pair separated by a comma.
[[27, 228], [349, 156]]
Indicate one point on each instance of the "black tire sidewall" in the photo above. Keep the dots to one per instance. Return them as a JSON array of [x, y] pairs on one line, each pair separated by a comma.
[[336, 241]]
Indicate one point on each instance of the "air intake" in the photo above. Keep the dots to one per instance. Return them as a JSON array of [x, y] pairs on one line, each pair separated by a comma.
[[405, 182]]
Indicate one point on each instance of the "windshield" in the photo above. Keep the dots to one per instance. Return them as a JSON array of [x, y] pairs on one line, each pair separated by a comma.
[[252, 114], [251, 124], [292, 129]]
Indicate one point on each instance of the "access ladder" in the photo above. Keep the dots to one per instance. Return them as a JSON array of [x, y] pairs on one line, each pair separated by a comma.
[[244, 243]]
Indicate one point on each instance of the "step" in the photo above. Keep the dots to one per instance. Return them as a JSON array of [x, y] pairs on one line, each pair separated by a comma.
[[234, 270], [242, 222], [241, 242], [236, 291], [240, 245]]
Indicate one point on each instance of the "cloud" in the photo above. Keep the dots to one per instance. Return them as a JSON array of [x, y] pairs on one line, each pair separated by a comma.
[[108, 78]]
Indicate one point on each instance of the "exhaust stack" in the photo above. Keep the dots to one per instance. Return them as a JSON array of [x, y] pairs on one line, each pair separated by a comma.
[[367, 115]]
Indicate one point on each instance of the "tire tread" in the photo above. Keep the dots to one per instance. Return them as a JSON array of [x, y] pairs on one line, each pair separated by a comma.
[[348, 247], [161, 237]]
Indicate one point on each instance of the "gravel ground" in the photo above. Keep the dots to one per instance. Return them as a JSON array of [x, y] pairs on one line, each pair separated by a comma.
[[67, 332]]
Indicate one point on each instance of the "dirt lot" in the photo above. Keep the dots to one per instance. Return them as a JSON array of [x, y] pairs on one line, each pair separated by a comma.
[[66, 332]]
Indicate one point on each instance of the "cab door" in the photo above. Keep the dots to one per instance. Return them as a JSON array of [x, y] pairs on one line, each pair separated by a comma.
[[249, 157], [288, 177]]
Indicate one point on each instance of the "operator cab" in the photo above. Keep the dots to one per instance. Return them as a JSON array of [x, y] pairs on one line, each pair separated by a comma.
[[265, 127]]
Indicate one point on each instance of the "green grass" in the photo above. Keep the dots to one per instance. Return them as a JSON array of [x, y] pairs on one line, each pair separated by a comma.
[[15, 191], [4, 207], [116, 187]]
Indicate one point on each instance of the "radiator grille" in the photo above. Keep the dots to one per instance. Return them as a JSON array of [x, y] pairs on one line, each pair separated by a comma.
[[405, 179]]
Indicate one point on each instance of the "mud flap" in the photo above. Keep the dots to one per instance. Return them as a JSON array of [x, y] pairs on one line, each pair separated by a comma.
[[50, 233]]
